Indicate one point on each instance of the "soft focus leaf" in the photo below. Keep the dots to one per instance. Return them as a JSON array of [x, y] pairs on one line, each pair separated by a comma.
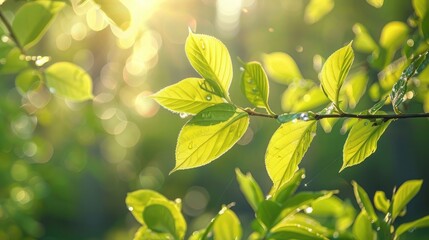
[[296, 231], [210, 58], [303, 220], [117, 12], [375, 3], [28, 80], [362, 142], [362, 228], [159, 219], [381, 202], [143, 233], [316, 9], [303, 199], [199, 145], [250, 189], [136, 202], [393, 35], [363, 40], [333, 213], [288, 189], [175, 211], [268, 212], [419, 223], [227, 226], [421, 7], [69, 81], [302, 95], [287, 148], [405, 193], [334, 72], [364, 201], [355, 88], [13, 62], [281, 67], [254, 84], [186, 96], [33, 19]]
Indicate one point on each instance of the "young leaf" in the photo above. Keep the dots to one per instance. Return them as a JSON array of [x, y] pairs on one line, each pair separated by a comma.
[[250, 189], [186, 96], [28, 80], [316, 9], [381, 202], [41, 13], [13, 62], [137, 201], [421, 7], [254, 84], [198, 145], [281, 67], [301, 96], [210, 58], [405, 193], [362, 142], [364, 202], [419, 223], [69, 81], [288, 189], [333, 212], [116, 11], [174, 211], [267, 213], [355, 87], [287, 148], [144, 233], [334, 72], [362, 228], [158, 218], [375, 3], [303, 220], [296, 231], [363, 40], [227, 226], [393, 35], [302, 199]]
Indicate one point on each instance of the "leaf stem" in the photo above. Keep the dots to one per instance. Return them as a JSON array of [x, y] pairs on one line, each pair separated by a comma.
[[316, 116], [11, 32]]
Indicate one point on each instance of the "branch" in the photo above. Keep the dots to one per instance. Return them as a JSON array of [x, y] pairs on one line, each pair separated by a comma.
[[11, 32]]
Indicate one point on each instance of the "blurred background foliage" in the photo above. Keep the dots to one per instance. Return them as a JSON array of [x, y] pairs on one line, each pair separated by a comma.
[[66, 167]]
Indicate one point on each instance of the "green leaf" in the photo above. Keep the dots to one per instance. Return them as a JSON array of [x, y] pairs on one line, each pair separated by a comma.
[[303, 220], [281, 67], [287, 148], [137, 201], [362, 228], [355, 87], [13, 62], [199, 145], [333, 213], [254, 85], [213, 115], [288, 189], [419, 223], [267, 213], [69, 81], [41, 13], [302, 95], [362, 141], [116, 11], [381, 202], [303, 199], [421, 7], [334, 72], [364, 202], [210, 58], [250, 189], [186, 96], [316, 9], [393, 35], [375, 3], [227, 226], [363, 40], [405, 193], [174, 208], [296, 231], [143, 233], [158, 218], [28, 80]]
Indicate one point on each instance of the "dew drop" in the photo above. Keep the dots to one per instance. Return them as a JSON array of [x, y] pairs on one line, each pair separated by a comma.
[[242, 69], [255, 90], [4, 38], [410, 42], [190, 145], [299, 49], [250, 80], [130, 208], [378, 229], [303, 176], [335, 235], [183, 115], [209, 97], [203, 46], [270, 29], [52, 90], [308, 210], [305, 185]]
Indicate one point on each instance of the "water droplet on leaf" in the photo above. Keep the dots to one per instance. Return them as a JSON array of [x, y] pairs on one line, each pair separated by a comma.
[[183, 115], [190, 145], [130, 208], [203, 46], [302, 176], [242, 69], [209, 97]]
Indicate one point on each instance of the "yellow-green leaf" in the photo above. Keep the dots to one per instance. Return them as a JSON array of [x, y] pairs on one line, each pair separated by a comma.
[[199, 145], [287, 148], [136, 202], [317, 9], [33, 19], [69, 81], [159, 219], [334, 72], [405, 193], [28, 80], [227, 226], [210, 58], [250, 189], [375, 3], [419, 223], [186, 96], [281, 67], [355, 87], [254, 84], [14, 62], [143, 233], [381, 202], [362, 228], [363, 40], [364, 201], [393, 35], [362, 141], [116, 11], [302, 96]]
